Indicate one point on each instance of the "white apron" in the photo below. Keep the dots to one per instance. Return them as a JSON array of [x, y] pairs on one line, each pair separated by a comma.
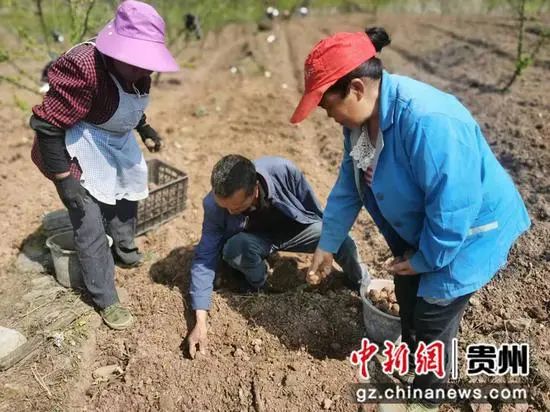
[[111, 160]]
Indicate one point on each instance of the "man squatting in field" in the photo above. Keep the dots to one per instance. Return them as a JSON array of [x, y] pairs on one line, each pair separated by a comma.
[[254, 210]]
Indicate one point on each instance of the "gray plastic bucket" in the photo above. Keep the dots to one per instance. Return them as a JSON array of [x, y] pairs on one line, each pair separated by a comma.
[[65, 259], [379, 325]]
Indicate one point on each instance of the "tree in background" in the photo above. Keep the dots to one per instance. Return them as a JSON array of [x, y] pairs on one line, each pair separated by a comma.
[[525, 59], [44, 29]]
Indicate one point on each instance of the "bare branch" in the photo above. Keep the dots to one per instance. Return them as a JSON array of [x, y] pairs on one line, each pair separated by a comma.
[[71, 11], [43, 24], [86, 21], [41, 382], [521, 11]]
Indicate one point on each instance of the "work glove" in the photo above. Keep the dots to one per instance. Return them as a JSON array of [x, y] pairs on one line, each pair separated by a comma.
[[71, 192], [150, 137]]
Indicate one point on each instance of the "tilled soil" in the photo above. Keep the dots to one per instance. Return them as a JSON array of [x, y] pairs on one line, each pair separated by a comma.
[[282, 351]]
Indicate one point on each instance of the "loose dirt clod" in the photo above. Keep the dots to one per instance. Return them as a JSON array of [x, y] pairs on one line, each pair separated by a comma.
[[327, 403], [107, 372]]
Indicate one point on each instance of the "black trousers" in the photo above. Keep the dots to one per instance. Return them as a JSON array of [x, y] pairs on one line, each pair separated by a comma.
[[427, 322], [90, 225]]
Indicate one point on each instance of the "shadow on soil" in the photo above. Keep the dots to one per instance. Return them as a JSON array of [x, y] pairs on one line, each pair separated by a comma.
[[173, 271], [326, 321]]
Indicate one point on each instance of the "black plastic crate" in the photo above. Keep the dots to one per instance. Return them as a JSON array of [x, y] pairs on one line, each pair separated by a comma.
[[167, 196]]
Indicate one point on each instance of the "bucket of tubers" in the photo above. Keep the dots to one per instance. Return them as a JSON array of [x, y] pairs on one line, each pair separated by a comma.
[[380, 311]]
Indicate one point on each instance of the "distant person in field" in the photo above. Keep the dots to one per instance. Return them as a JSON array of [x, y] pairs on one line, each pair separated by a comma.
[[85, 144], [254, 210], [417, 160], [193, 25]]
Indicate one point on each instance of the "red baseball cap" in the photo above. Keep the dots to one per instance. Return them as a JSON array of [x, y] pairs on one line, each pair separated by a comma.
[[331, 59]]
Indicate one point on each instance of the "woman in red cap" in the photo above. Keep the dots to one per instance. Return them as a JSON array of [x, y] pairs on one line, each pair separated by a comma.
[[85, 142], [417, 160]]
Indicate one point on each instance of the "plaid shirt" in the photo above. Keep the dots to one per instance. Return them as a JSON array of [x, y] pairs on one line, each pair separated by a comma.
[[81, 88]]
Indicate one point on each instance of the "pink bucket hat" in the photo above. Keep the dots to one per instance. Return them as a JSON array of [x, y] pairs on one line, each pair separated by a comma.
[[136, 36]]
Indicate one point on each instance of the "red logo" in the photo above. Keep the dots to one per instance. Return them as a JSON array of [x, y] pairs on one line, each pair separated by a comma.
[[430, 358], [396, 358], [362, 356]]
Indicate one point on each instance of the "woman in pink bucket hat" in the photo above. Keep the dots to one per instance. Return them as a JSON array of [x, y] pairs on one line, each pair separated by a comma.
[[85, 143]]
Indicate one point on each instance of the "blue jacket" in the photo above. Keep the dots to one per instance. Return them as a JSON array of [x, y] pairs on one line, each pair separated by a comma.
[[287, 190], [437, 189]]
